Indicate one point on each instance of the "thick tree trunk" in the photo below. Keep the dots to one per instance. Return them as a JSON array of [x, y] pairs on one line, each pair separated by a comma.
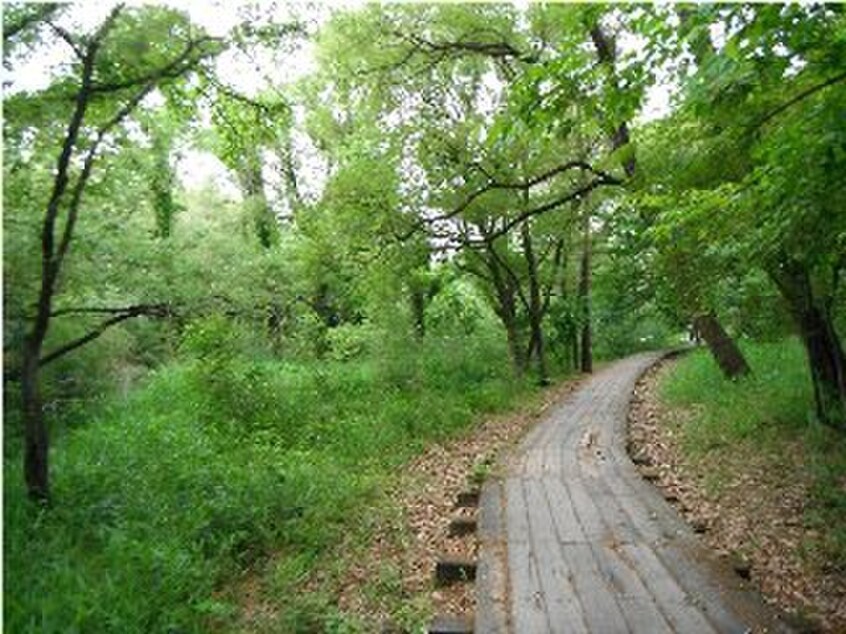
[[827, 363], [506, 308], [586, 361], [36, 444], [824, 350], [725, 351]]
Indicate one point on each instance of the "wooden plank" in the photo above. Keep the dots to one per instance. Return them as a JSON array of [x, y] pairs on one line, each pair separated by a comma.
[[563, 608], [601, 609], [461, 526], [467, 499], [567, 526], [451, 570], [450, 624], [585, 510], [528, 611], [678, 607], [491, 576], [594, 590]]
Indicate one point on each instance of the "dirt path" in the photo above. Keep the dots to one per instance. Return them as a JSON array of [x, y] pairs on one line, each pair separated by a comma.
[[573, 540]]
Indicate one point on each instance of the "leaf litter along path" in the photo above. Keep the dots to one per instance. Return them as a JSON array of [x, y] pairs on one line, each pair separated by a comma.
[[574, 540], [757, 513], [425, 496]]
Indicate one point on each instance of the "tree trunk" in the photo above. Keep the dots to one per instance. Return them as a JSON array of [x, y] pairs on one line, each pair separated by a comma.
[[512, 334], [275, 320], [418, 311], [36, 444], [575, 351], [725, 351], [261, 215], [535, 307], [586, 362], [822, 345], [827, 363], [506, 308]]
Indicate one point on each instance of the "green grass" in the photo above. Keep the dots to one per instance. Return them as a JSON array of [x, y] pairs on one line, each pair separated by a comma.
[[163, 499], [767, 412]]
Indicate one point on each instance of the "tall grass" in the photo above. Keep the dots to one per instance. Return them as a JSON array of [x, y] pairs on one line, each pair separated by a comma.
[[776, 394], [172, 492]]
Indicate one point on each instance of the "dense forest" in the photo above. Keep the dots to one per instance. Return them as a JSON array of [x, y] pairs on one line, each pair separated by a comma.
[[417, 214]]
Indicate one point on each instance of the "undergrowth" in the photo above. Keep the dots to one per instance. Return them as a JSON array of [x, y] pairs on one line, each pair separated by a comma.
[[171, 494], [771, 410]]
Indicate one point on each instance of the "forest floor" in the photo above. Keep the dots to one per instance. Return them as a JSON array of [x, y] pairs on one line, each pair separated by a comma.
[[749, 499]]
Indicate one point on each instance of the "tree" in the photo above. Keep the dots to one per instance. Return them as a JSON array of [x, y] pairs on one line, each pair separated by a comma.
[[113, 72], [438, 62], [763, 105], [245, 128]]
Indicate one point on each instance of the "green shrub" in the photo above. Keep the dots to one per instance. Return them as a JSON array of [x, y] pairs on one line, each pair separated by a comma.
[[348, 341]]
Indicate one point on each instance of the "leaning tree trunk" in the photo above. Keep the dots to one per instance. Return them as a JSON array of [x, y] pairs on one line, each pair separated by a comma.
[[827, 363], [822, 345], [586, 361], [724, 349]]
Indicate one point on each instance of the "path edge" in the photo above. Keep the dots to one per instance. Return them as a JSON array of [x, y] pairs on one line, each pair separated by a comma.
[[491, 614]]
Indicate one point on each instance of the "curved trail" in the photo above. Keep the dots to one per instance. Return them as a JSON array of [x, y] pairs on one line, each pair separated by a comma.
[[573, 540]]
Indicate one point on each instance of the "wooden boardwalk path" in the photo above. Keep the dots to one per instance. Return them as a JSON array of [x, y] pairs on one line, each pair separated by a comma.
[[573, 540]]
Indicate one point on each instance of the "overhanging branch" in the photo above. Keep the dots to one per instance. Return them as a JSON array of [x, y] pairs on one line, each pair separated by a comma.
[[800, 97], [177, 67], [557, 202], [603, 178], [158, 311]]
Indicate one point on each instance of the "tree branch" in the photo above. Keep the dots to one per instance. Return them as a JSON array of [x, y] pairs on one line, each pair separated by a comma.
[[606, 53], [68, 38], [497, 50], [148, 310], [38, 14], [88, 165], [268, 109], [793, 101], [175, 68], [107, 310], [574, 195], [153, 80], [493, 185]]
